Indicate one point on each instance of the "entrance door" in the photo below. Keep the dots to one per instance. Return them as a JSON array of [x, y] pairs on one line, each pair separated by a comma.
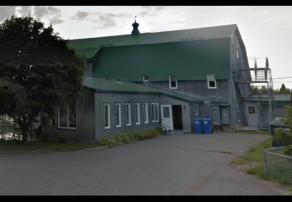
[[216, 115], [252, 115], [166, 116]]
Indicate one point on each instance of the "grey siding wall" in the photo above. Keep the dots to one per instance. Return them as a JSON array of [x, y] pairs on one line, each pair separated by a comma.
[[88, 71], [199, 89], [85, 131], [102, 97]]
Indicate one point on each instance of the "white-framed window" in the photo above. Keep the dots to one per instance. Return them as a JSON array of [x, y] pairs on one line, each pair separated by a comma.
[[145, 78], [154, 112], [67, 117], [145, 112], [172, 82], [107, 124], [211, 81], [237, 53], [137, 113], [196, 110], [128, 114], [118, 115]]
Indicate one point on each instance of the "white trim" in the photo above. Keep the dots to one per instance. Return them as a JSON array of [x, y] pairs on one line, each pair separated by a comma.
[[145, 112], [145, 80], [137, 113], [154, 118], [129, 114], [169, 81], [210, 79], [119, 117], [108, 115], [67, 121]]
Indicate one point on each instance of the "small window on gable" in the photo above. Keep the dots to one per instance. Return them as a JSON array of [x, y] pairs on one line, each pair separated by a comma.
[[211, 81], [237, 53], [145, 78], [172, 82]]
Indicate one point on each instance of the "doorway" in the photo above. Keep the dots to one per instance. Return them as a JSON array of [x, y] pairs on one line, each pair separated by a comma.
[[177, 117], [252, 115]]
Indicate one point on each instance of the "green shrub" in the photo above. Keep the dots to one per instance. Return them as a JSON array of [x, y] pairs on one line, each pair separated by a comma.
[[119, 138], [288, 151], [127, 137], [282, 137], [109, 141], [159, 129]]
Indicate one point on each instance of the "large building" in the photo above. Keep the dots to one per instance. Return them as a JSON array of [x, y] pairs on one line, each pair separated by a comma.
[[140, 80]]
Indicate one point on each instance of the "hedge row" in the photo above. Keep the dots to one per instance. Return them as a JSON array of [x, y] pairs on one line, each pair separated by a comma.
[[111, 141]]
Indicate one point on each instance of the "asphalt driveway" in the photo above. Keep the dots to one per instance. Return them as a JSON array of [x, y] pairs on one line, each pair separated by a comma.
[[179, 164]]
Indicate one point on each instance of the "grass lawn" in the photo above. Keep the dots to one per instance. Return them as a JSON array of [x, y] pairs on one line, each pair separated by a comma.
[[254, 156], [257, 132], [9, 145]]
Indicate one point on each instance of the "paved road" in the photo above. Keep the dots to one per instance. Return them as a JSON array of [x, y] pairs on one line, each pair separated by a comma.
[[181, 164]]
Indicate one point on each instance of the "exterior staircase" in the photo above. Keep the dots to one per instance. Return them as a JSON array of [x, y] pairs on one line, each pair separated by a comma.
[[263, 119], [243, 79]]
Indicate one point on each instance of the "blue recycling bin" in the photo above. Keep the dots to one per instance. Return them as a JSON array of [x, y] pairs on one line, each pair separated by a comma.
[[198, 125], [207, 125]]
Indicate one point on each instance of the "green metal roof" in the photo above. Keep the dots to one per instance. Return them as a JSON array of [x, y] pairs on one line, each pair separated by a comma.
[[126, 87], [188, 60], [89, 52], [83, 45], [220, 103]]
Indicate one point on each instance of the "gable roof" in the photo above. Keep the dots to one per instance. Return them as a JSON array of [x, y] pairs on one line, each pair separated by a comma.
[[90, 46], [103, 85]]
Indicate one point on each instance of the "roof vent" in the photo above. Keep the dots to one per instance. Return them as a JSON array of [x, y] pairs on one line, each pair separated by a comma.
[[135, 31]]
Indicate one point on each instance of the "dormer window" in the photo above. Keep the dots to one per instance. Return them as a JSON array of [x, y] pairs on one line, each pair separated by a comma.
[[211, 81], [145, 78], [172, 82]]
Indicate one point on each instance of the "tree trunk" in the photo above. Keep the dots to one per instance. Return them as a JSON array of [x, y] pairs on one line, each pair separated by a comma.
[[24, 134]]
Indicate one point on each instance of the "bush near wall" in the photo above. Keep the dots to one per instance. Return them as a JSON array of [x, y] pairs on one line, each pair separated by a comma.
[[113, 140]]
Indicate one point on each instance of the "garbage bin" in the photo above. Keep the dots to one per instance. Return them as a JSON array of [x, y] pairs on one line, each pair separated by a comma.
[[198, 125], [207, 125], [277, 123]]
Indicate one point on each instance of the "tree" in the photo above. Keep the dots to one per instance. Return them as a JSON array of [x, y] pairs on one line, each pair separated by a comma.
[[38, 71], [284, 137]]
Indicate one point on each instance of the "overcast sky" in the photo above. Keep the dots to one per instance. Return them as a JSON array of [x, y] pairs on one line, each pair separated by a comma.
[[265, 30]]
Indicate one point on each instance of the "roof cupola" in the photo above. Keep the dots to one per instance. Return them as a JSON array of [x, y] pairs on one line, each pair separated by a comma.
[[135, 31]]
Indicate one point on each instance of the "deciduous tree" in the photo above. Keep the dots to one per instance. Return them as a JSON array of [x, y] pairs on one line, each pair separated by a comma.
[[38, 71]]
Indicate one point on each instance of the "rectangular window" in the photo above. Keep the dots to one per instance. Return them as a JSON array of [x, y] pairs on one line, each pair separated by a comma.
[[172, 82], [118, 115], [128, 114], [67, 117], [145, 78], [211, 81], [137, 113], [145, 110], [107, 116], [155, 112], [251, 110], [237, 53]]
